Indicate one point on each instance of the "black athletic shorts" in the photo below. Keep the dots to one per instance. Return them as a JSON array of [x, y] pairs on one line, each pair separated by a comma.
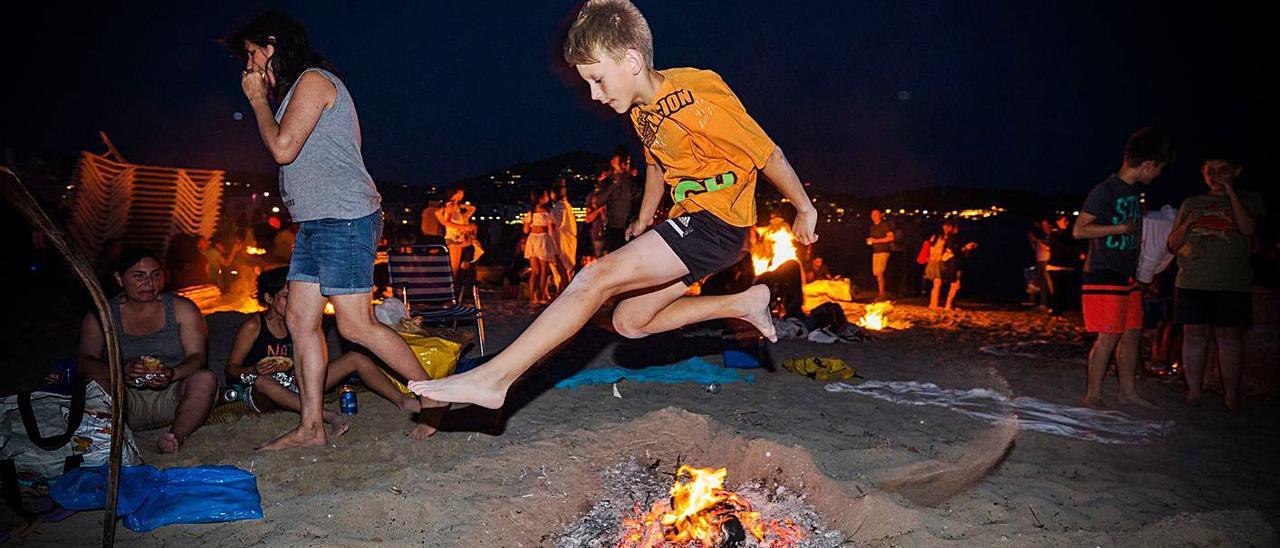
[[1216, 308], [704, 243]]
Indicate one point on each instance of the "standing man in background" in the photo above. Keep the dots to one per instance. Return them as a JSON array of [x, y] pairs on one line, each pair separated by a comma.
[[617, 197], [880, 236]]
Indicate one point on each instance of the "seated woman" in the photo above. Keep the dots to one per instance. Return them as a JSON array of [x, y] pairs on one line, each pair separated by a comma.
[[162, 341], [262, 359]]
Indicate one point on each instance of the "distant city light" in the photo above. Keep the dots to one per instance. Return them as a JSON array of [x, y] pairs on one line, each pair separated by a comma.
[[266, 194], [275, 209]]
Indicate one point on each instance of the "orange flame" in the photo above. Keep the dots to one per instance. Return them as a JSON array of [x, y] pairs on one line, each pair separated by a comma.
[[253, 250], [775, 246], [876, 317], [697, 511]]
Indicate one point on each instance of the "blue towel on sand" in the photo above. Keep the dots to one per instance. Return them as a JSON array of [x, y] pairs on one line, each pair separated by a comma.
[[694, 370]]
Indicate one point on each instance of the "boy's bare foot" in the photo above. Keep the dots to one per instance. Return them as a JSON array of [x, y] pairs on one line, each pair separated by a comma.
[[475, 386], [421, 432], [1094, 402], [339, 423], [298, 437], [169, 443], [1135, 399], [755, 301]]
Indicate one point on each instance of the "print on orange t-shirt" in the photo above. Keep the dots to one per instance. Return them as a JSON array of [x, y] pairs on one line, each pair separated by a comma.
[[709, 148]]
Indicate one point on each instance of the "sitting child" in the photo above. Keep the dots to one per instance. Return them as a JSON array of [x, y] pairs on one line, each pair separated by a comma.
[[262, 359]]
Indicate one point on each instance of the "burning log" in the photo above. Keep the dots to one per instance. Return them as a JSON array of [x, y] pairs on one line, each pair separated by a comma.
[[732, 534]]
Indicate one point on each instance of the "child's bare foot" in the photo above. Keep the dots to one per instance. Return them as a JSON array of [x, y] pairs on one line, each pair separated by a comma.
[[1093, 402], [1135, 399], [755, 310], [339, 423], [298, 437], [421, 432], [169, 443], [475, 386]]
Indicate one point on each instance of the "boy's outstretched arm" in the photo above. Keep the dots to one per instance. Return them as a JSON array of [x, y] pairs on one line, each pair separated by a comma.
[[779, 172], [653, 187]]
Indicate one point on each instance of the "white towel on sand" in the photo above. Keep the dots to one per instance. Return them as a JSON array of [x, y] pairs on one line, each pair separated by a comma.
[[1032, 414]]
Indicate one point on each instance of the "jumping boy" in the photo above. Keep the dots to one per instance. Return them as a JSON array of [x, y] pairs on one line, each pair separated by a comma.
[[699, 140], [1111, 219]]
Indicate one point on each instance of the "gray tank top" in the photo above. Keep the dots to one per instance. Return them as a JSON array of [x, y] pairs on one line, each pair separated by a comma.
[[328, 179], [165, 344]]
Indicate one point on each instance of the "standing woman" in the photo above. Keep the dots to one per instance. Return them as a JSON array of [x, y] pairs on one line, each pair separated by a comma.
[[539, 245], [314, 135]]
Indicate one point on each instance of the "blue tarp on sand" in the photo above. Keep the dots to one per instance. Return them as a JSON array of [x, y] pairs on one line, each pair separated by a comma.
[[151, 498]]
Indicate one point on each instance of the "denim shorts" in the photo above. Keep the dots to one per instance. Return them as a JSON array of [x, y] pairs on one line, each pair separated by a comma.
[[338, 254]]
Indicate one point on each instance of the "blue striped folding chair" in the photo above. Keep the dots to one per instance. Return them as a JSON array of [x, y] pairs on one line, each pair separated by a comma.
[[422, 276]]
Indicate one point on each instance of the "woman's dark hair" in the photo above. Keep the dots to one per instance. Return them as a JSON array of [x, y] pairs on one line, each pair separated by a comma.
[[132, 256], [271, 282], [292, 55]]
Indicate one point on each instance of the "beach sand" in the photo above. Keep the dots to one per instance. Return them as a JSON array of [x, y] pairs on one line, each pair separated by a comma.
[[1209, 483]]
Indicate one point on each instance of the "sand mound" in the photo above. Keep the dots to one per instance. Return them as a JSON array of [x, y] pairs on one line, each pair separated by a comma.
[[568, 485]]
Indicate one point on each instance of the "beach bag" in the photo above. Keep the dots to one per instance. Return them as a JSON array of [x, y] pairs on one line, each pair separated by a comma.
[[923, 256], [46, 433]]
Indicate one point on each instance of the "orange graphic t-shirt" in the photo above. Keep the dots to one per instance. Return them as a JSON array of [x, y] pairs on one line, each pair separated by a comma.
[[709, 149]]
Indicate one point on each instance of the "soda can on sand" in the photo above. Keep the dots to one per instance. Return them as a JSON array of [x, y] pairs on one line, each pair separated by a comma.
[[347, 400], [232, 393]]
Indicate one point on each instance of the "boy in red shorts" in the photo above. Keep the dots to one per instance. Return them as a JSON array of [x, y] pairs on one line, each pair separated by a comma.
[[1111, 219], [698, 140]]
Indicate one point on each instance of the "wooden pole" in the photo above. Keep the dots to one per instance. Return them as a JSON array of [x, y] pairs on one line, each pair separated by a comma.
[[24, 202]]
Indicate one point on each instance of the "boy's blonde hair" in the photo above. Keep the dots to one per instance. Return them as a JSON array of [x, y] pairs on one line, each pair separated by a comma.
[[608, 27]]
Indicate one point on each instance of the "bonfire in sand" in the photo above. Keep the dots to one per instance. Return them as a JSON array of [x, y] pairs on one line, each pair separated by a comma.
[[701, 510], [876, 317]]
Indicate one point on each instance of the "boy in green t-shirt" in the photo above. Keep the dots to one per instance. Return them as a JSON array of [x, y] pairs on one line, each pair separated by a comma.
[[1211, 241], [698, 140]]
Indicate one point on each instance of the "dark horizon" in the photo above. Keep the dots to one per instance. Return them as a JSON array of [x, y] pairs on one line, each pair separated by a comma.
[[868, 99]]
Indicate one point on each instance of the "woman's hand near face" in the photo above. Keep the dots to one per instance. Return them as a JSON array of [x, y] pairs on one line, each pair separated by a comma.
[[254, 84]]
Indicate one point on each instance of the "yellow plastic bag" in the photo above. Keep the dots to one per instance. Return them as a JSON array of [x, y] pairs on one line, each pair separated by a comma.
[[438, 357], [822, 369]]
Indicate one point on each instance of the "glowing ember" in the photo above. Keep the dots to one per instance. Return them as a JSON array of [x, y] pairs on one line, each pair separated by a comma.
[[775, 246], [876, 317], [701, 510]]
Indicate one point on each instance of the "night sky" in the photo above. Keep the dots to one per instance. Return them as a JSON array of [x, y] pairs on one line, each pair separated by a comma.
[[865, 97]]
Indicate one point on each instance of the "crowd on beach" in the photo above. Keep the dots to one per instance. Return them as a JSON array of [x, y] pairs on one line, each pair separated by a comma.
[[330, 248]]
